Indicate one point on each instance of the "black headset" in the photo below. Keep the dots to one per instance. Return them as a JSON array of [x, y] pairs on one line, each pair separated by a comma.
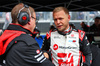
[[23, 17]]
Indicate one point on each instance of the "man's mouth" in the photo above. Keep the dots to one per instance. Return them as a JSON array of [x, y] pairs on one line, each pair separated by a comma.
[[59, 26]]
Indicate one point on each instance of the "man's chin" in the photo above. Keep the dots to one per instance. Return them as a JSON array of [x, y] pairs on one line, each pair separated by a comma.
[[60, 30]]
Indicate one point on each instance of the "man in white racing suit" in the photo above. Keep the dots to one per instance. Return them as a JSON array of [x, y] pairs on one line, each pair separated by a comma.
[[67, 45]]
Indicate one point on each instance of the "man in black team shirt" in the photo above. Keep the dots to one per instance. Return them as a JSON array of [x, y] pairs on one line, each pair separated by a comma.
[[17, 41]]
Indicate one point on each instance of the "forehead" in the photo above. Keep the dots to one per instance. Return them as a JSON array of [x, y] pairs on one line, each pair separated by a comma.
[[59, 14]]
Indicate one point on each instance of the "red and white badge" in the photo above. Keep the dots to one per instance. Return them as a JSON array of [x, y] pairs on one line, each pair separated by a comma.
[[72, 35], [55, 46], [37, 51]]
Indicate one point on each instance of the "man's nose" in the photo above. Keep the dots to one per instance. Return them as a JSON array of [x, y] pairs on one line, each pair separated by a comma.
[[58, 21]]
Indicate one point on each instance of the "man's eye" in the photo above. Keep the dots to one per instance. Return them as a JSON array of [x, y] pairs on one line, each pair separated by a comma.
[[60, 18], [55, 19]]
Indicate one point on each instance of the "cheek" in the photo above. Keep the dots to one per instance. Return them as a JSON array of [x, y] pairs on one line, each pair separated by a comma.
[[96, 22], [65, 21], [55, 23], [34, 23], [99, 23]]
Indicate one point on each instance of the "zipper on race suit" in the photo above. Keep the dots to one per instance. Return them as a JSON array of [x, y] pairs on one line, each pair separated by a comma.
[[65, 45]]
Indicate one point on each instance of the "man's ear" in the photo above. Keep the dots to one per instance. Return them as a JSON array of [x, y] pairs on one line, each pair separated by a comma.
[[68, 17]]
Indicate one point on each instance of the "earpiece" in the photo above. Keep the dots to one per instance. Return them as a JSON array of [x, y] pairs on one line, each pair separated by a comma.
[[23, 17]]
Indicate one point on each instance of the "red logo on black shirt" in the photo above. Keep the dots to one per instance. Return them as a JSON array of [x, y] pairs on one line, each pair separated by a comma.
[[37, 51], [55, 46]]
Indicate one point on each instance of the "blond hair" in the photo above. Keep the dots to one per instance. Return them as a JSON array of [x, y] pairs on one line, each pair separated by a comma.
[[57, 9]]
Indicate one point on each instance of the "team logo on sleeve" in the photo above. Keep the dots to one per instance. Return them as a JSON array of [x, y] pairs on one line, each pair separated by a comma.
[[37, 51], [81, 34], [55, 46]]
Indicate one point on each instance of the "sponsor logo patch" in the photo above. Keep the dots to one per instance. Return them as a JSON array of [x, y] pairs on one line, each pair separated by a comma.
[[56, 37], [71, 40], [69, 47], [72, 35], [37, 51], [55, 46]]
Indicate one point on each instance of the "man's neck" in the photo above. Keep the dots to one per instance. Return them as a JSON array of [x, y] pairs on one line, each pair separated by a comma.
[[67, 29]]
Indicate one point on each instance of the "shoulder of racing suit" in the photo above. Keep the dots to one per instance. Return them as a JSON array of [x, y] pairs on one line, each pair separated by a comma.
[[81, 33], [48, 34]]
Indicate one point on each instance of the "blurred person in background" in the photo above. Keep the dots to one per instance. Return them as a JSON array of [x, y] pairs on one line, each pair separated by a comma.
[[7, 22], [95, 43], [52, 28], [94, 29], [72, 25], [85, 28]]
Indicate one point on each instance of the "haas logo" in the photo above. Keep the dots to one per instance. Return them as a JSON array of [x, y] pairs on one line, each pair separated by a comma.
[[69, 59], [55, 46]]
